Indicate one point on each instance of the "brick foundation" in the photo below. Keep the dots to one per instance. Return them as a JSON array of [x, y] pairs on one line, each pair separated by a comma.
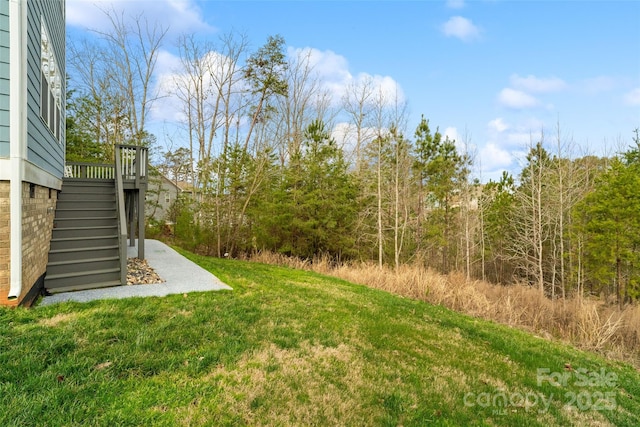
[[38, 210]]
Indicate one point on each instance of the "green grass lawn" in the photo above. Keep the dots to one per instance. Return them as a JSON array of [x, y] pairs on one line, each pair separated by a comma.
[[289, 347]]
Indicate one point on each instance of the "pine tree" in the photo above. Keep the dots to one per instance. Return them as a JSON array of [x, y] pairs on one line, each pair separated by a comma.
[[610, 223], [439, 170], [312, 209]]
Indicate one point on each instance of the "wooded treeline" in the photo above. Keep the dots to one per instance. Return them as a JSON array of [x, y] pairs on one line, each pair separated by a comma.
[[273, 162]]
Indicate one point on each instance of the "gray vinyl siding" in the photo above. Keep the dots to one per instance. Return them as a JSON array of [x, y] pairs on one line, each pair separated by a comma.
[[4, 78], [43, 149]]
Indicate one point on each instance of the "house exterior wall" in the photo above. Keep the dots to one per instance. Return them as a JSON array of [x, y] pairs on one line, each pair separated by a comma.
[[4, 78], [44, 149], [38, 208], [37, 224], [26, 132], [161, 194], [31, 149]]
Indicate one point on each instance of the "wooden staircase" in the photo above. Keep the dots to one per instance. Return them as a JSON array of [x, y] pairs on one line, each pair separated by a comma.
[[84, 251], [98, 203]]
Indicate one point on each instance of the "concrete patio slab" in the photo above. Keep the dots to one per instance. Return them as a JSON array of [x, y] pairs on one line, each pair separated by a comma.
[[180, 275]]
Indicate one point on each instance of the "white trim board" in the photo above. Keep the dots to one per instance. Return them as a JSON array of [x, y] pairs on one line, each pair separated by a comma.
[[31, 173]]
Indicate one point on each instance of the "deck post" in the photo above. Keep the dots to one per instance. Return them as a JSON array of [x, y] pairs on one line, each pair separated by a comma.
[[141, 199], [132, 216]]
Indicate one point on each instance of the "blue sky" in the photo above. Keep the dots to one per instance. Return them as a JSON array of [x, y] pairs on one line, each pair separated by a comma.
[[497, 72]]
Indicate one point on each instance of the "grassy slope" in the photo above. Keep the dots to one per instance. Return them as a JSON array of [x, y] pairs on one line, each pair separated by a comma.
[[287, 348]]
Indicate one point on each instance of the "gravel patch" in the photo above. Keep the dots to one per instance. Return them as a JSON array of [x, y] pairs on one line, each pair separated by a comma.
[[139, 272]]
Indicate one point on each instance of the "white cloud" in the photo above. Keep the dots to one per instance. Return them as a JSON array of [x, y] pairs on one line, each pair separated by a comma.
[[507, 145], [452, 134], [537, 85], [345, 134], [455, 4], [332, 71], [462, 28], [171, 78], [516, 99], [167, 107], [387, 88], [166, 63], [326, 64], [177, 15], [498, 125], [495, 158], [633, 98], [526, 132], [462, 141]]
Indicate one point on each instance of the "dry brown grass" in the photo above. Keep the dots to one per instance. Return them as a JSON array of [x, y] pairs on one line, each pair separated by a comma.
[[58, 319], [310, 383], [586, 323]]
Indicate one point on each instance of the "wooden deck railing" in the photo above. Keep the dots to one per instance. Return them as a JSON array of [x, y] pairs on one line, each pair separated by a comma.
[[133, 161], [89, 171]]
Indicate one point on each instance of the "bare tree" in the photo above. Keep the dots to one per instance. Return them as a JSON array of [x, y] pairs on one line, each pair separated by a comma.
[[359, 102], [380, 116], [401, 165], [133, 49], [387, 178], [193, 88], [468, 198], [208, 85], [532, 220], [115, 79], [401, 190], [300, 107], [99, 108], [564, 190]]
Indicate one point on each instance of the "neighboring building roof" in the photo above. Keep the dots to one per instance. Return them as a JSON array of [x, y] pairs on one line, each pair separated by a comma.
[[185, 186], [167, 181]]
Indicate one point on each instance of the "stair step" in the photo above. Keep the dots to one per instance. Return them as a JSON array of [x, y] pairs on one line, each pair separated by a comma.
[[81, 273], [93, 203], [83, 243], [85, 211], [78, 183], [58, 255], [90, 231], [88, 189], [81, 280], [70, 288], [84, 222], [85, 261], [80, 218], [84, 266], [81, 197]]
